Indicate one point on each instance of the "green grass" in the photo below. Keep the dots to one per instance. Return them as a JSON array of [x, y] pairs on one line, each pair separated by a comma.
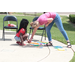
[[19, 18], [73, 59], [70, 29]]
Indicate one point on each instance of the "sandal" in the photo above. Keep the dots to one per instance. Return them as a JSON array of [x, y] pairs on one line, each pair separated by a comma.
[[17, 42], [69, 44], [21, 44], [49, 43]]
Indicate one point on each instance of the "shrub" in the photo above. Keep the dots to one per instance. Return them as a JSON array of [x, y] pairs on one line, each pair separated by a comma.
[[72, 18], [2, 12]]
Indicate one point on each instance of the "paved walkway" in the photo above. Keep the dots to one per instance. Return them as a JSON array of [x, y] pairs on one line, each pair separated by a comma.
[[11, 52]]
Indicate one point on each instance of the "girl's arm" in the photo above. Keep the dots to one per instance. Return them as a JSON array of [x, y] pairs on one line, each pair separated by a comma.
[[49, 21], [21, 37]]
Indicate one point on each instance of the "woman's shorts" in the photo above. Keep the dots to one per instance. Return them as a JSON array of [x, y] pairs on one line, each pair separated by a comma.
[[17, 38]]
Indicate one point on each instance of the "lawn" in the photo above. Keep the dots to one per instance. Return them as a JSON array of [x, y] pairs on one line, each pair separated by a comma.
[[70, 29]]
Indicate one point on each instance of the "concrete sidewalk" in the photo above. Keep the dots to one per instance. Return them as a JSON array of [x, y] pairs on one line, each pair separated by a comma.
[[12, 52]]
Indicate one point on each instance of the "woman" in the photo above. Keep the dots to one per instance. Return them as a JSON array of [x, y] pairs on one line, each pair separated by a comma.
[[48, 19]]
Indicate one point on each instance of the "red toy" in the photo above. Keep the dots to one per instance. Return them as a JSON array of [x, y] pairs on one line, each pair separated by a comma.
[[11, 25]]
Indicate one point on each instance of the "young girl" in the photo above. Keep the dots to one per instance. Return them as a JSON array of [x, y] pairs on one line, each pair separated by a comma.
[[21, 35]]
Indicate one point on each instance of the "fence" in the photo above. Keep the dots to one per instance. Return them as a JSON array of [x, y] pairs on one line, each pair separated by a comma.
[[33, 13], [23, 13]]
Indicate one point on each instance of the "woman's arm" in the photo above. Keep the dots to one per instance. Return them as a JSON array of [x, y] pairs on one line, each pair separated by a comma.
[[34, 31], [49, 21]]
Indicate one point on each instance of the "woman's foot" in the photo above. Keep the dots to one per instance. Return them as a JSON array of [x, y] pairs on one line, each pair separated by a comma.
[[68, 44], [49, 44]]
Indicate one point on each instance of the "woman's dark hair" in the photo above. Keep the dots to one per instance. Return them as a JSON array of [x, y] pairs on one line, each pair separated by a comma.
[[23, 24]]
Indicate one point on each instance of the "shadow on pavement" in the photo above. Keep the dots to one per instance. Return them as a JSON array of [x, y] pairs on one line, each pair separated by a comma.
[[29, 46], [14, 45], [5, 39], [33, 46]]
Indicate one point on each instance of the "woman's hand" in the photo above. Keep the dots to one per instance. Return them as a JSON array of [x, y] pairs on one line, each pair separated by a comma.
[[46, 24], [49, 21], [29, 40]]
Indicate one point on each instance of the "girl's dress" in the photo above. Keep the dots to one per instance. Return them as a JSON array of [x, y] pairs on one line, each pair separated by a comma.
[[17, 37]]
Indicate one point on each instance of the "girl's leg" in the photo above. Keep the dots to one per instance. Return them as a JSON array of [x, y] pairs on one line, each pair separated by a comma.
[[25, 37], [17, 39]]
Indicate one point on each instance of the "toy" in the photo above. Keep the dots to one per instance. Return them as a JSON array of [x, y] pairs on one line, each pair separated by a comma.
[[41, 47], [56, 47], [38, 43], [34, 43], [59, 48], [11, 25]]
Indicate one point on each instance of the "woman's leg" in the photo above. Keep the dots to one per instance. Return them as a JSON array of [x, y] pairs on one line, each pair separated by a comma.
[[59, 24], [48, 29]]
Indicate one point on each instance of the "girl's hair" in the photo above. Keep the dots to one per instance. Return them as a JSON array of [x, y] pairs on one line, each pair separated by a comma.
[[23, 24]]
